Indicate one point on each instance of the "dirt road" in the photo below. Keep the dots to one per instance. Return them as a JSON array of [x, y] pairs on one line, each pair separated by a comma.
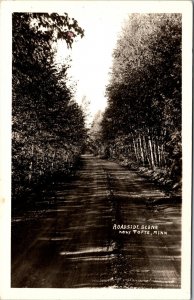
[[106, 228]]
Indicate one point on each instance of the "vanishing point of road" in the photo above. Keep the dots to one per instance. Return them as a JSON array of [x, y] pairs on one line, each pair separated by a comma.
[[107, 227]]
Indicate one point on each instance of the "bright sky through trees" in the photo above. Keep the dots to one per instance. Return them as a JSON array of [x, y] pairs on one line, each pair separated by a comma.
[[92, 55]]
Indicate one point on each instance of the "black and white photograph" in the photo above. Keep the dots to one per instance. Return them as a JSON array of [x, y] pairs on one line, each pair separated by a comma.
[[100, 150]]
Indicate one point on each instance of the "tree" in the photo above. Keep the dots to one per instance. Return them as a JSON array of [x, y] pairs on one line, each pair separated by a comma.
[[144, 92], [48, 126]]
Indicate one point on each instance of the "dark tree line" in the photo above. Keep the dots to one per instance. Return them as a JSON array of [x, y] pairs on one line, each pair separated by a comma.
[[47, 125], [142, 124]]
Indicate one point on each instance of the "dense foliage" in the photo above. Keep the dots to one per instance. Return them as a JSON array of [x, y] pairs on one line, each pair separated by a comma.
[[47, 125], [142, 124]]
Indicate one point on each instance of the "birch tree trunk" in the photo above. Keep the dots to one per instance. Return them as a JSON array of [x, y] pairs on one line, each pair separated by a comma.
[[151, 152], [135, 150], [141, 150]]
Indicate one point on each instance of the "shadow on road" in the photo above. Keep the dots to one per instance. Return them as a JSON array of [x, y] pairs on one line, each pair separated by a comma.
[[104, 228]]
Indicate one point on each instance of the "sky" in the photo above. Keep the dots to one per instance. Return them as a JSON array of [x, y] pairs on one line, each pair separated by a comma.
[[92, 55]]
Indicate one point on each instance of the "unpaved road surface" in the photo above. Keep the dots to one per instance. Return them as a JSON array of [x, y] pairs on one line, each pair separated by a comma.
[[91, 232]]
